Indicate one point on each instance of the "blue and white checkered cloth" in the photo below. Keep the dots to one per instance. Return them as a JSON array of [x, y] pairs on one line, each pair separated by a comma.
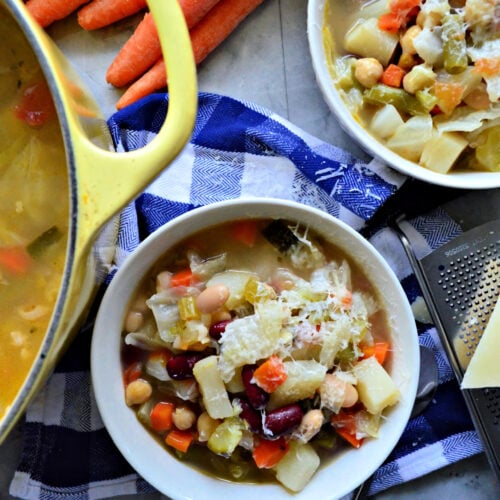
[[237, 150]]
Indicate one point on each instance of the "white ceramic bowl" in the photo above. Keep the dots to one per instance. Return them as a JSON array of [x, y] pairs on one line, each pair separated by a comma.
[[175, 478], [461, 180]]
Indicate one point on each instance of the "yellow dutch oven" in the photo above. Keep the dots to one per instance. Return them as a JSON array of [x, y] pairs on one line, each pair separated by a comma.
[[101, 180]]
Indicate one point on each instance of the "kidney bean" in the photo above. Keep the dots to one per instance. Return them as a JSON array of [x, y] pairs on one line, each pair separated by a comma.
[[282, 420], [257, 397], [252, 416], [180, 366], [217, 329]]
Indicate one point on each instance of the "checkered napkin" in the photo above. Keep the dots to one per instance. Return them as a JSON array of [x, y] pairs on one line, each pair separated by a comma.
[[237, 150]]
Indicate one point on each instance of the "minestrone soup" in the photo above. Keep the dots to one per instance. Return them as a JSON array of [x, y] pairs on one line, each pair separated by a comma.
[[255, 351], [33, 208], [422, 76]]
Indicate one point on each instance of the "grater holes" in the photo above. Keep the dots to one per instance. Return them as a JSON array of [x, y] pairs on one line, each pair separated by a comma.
[[492, 397]]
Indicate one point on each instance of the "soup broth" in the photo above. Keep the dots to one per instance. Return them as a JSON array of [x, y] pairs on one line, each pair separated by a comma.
[[232, 302], [33, 209]]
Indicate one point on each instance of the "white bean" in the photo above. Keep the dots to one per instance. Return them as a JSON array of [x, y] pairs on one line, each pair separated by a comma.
[[310, 425], [212, 298], [206, 425], [133, 321]]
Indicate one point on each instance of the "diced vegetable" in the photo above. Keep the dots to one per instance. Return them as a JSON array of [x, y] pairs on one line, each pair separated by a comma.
[[47, 238], [280, 236], [304, 377], [270, 374], [442, 150], [454, 46], [381, 94], [375, 387], [182, 278], [236, 282], [377, 349], [267, 453], [488, 151], [180, 440], [226, 436], [215, 397], [297, 467], [161, 416], [385, 121], [393, 76], [245, 231], [409, 139], [15, 260], [336, 337], [366, 39]]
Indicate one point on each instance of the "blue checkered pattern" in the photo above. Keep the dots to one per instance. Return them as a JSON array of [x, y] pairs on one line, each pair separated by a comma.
[[237, 150]]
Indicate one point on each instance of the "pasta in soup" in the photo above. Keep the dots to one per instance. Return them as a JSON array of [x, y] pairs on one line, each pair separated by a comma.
[[255, 351], [33, 209], [422, 76]]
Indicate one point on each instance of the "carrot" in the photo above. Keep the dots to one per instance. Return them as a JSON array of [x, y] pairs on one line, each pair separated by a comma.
[[393, 76], [36, 107], [100, 13], [449, 95], [132, 372], [350, 438], [15, 260], [143, 48], [182, 278], [270, 374], [267, 454], [400, 13], [46, 12], [344, 424], [180, 440], [487, 66], [245, 231], [378, 349], [161, 416], [208, 34], [389, 22], [138, 54]]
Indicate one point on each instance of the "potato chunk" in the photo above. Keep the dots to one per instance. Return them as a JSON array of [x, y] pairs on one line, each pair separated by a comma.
[[215, 397], [303, 378], [366, 39], [376, 389], [297, 467]]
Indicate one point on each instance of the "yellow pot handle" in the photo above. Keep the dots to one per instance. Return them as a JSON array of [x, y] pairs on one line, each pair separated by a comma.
[[108, 180]]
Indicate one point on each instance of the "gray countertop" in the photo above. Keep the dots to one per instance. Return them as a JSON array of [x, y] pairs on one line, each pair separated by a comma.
[[266, 61]]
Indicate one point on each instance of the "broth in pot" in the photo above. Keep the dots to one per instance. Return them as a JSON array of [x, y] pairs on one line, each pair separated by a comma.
[[33, 209]]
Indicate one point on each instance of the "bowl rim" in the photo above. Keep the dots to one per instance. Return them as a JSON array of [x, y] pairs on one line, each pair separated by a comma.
[[126, 431], [460, 180]]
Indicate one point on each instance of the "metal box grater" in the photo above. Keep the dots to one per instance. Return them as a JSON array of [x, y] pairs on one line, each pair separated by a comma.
[[460, 282]]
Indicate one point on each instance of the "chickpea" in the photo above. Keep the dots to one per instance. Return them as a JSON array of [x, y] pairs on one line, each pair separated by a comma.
[[183, 418], [407, 39], [138, 392], [134, 321], [206, 425], [368, 71], [310, 425]]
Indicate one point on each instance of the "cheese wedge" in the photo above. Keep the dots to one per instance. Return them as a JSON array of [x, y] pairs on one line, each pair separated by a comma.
[[484, 367]]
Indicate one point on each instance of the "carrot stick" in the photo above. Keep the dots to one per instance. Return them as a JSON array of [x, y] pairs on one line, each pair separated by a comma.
[[180, 440], [270, 374], [138, 54], [161, 416], [207, 35], [100, 13], [267, 454], [143, 48], [46, 12]]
